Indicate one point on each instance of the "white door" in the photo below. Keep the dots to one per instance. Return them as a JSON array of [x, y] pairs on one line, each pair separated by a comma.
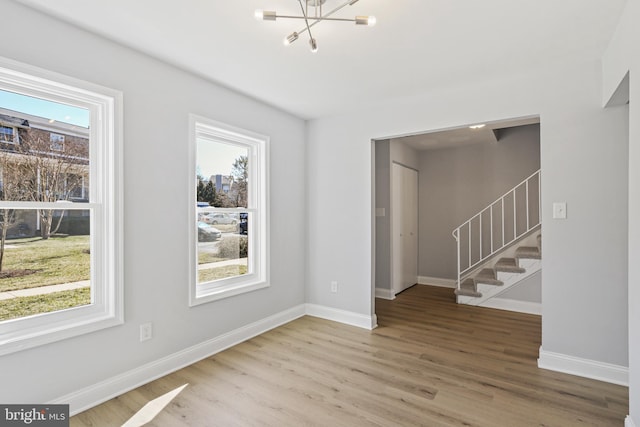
[[404, 228]]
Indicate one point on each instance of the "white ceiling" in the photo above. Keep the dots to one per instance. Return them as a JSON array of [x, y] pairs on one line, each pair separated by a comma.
[[463, 136], [416, 46]]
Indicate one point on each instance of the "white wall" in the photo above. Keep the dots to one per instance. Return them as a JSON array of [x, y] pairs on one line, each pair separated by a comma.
[[157, 101], [623, 57], [583, 160]]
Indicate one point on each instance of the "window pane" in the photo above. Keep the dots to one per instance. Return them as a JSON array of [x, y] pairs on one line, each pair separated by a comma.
[[6, 134], [221, 255], [48, 159], [45, 261], [44, 275], [57, 142], [222, 174]]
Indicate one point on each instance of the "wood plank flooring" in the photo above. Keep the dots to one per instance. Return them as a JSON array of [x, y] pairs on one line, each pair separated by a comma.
[[429, 363]]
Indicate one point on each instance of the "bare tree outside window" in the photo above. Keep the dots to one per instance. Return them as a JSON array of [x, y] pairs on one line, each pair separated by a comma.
[[9, 190], [49, 176], [240, 174]]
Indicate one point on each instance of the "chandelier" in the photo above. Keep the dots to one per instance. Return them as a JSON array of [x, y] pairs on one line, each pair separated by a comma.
[[312, 14]]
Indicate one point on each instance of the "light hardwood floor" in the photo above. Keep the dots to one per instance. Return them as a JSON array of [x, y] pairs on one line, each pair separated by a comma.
[[430, 362]]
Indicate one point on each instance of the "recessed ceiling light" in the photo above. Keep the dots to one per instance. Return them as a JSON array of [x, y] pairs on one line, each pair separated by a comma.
[[477, 126]]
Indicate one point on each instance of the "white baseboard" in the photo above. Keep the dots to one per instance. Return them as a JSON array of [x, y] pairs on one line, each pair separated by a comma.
[[437, 281], [595, 370], [342, 316], [94, 395], [628, 422], [514, 305], [385, 294]]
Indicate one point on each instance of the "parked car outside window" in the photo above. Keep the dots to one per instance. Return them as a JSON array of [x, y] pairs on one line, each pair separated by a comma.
[[207, 233], [219, 218]]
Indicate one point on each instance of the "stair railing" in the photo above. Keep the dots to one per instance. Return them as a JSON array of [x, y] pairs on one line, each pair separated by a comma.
[[518, 213]]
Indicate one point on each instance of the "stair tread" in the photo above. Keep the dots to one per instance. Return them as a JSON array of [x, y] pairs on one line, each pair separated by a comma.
[[528, 252], [468, 288], [489, 281], [487, 276], [509, 265], [487, 272]]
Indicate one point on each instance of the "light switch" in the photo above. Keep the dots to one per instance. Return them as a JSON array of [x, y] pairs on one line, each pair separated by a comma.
[[559, 210]]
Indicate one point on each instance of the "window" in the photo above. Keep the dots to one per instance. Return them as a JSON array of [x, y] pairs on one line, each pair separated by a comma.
[[57, 142], [7, 134], [60, 208], [229, 229]]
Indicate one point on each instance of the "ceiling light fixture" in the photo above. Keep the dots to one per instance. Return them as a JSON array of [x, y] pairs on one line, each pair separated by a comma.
[[312, 14], [477, 126]]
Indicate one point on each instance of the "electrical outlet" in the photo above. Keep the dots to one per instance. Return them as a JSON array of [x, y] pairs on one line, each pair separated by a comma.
[[334, 287], [146, 331]]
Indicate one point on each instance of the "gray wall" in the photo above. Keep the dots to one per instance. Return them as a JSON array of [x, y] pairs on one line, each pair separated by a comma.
[[157, 101], [383, 224], [455, 183]]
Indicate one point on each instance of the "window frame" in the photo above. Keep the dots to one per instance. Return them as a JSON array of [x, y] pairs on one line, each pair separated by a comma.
[[105, 208], [257, 276], [14, 132]]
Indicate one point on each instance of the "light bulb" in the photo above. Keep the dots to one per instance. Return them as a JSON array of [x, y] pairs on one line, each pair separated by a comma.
[[290, 38], [365, 20], [265, 15], [314, 45]]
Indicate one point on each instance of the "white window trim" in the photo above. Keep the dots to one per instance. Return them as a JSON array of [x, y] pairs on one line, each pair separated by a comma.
[[106, 138], [258, 275]]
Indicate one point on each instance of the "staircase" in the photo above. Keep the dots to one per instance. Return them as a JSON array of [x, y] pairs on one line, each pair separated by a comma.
[[501, 245], [490, 281]]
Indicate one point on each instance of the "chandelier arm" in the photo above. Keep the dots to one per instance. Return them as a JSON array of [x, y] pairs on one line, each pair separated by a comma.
[[315, 20], [305, 19], [325, 17]]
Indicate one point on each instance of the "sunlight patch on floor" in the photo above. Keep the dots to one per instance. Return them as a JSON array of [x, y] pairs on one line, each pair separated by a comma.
[[149, 411]]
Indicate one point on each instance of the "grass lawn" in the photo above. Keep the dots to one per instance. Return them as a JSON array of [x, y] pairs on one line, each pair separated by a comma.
[[221, 272], [55, 260], [27, 306], [226, 228], [207, 257]]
